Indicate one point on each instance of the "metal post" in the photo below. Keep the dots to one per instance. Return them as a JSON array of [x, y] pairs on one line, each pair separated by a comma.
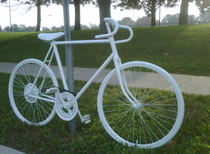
[[69, 57], [10, 17]]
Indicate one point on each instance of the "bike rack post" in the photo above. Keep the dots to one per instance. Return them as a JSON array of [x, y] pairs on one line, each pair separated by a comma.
[[69, 57]]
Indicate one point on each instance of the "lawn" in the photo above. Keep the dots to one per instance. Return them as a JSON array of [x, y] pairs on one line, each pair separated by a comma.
[[193, 137], [178, 49]]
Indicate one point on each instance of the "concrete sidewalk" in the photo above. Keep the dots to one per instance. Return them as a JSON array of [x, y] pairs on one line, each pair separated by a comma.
[[188, 83], [7, 150]]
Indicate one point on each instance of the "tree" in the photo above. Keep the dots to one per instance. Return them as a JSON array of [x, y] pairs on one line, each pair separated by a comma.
[[94, 26], [144, 21], [15, 28], [183, 17], [77, 3], [0, 29], [77, 25], [38, 4], [20, 28], [192, 19], [202, 5], [38, 23], [45, 29], [54, 28], [6, 29], [174, 19], [149, 6], [104, 11], [127, 21], [204, 16], [171, 19]]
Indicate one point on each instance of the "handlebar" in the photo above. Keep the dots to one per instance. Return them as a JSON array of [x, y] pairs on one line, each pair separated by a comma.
[[110, 21]]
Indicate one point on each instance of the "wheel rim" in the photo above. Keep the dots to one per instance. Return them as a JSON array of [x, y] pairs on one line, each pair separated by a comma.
[[23, 93], [150, 117]]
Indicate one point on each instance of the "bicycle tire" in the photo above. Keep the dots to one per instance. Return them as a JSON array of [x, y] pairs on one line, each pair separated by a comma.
[[159, 114], [23, 92]]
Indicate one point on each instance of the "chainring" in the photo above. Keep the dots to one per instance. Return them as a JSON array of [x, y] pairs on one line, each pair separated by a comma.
[[68, 108]]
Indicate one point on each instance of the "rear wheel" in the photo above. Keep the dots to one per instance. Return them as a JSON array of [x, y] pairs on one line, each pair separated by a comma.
[[159, 109], [27, 86]]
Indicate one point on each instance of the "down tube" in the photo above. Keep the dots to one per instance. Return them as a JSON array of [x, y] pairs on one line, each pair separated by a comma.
[[94, 76]]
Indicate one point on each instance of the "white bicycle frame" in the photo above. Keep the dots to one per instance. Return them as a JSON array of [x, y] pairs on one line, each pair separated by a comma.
[[113, 56]]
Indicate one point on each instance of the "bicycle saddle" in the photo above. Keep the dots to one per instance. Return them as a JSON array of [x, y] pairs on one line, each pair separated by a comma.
[[50, 36]]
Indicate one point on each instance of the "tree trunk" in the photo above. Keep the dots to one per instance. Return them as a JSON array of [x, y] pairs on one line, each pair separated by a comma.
[[183, 17], [104, 11], [77, 25], [153, 13], [38, 25]]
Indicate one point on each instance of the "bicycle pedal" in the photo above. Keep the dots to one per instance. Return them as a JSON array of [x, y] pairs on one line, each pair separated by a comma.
[[87, 119]]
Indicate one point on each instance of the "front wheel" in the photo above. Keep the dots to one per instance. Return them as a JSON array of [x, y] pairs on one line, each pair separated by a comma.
[[159, 109], [27, 86]]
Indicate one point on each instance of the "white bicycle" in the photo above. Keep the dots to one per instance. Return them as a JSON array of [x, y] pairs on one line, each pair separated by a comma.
[[139, 103]]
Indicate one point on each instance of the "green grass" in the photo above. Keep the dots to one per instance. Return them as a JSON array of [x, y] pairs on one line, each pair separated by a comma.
[[192, 138], [178, 49]]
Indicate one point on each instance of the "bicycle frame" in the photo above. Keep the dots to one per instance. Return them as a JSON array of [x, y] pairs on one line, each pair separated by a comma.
[[53, 50]]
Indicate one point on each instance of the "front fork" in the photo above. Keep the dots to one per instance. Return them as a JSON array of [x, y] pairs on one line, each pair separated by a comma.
[[123, 83]]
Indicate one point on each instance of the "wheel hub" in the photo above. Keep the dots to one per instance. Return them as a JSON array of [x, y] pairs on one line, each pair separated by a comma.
[[138, 105], [30, 93]]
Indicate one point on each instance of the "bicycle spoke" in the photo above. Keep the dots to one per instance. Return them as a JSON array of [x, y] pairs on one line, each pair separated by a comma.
[[154, 121], [120, 116], [160, 115], [116, 95], [155, 100], [161, 108]]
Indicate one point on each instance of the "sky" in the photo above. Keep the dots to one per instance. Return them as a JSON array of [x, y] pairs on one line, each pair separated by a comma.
[[53, 14]]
